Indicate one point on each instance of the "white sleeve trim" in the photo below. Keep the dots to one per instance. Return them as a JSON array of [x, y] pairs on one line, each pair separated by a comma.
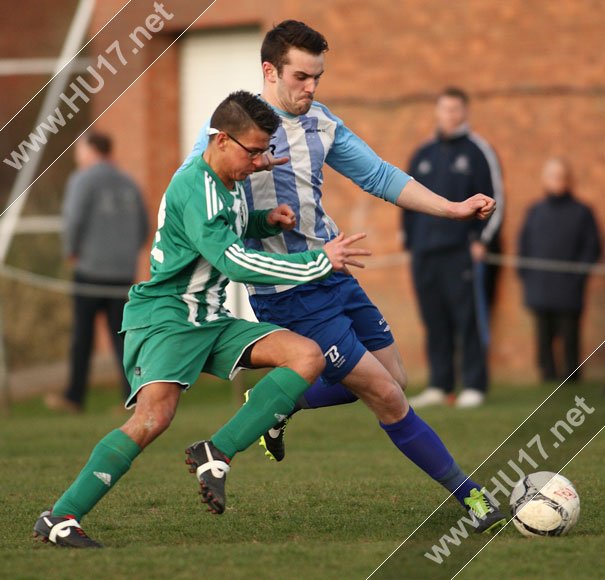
[[495, 221], [285, 270]]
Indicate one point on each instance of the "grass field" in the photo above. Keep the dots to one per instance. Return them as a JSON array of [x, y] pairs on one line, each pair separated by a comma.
[[341, 502]]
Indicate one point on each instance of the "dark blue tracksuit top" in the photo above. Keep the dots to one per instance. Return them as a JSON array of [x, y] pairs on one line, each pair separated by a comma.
[[456, 168]]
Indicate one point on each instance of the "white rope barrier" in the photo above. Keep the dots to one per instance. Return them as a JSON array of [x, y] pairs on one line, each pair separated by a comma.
[[62, 286], [386, 261], [399, 259]]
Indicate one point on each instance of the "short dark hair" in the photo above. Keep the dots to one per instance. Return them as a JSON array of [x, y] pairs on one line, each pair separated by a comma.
[[290, 34], [241, 111], [456, 93], [100, 142]]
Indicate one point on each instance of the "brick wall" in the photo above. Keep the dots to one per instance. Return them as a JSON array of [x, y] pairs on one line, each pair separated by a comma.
[[534, 71]]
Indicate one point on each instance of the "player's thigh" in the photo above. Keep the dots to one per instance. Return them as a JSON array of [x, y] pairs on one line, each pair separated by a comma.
[[237, 339], [373, 384], [391, 360], [317, 314], [288, 349], [369, 324], [374, 332]]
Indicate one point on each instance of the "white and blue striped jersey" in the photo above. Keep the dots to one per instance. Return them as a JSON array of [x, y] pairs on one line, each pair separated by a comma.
[[309, 141]]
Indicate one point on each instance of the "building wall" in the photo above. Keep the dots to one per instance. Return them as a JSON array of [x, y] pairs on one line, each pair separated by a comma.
[[534, 71]]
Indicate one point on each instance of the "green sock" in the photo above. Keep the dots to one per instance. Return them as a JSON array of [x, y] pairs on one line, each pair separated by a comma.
[[273, 397], [109, 461]]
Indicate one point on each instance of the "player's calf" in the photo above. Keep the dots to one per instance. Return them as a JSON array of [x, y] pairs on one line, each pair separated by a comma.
[[273, 439]]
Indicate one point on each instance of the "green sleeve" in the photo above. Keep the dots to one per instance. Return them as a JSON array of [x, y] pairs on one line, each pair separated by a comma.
[[258, 228], [208, 230]]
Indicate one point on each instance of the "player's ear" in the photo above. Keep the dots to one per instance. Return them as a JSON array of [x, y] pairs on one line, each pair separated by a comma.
[[269, 72], [221, 140]]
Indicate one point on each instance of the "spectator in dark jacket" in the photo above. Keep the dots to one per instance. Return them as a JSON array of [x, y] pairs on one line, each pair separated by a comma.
[[448, 257], [558, 228]]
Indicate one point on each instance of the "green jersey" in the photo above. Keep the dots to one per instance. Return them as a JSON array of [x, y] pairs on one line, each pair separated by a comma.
[[198, 248]]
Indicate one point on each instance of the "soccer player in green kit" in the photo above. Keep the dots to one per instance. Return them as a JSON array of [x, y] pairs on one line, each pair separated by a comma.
[[176, 326]]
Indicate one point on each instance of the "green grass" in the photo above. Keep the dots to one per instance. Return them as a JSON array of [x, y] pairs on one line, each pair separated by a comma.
[[335, 508]]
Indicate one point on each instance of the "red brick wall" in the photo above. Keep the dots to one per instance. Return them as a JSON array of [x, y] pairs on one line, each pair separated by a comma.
[[534, 71]]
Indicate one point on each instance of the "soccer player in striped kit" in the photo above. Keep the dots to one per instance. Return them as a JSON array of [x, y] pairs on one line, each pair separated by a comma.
[[361, 357]]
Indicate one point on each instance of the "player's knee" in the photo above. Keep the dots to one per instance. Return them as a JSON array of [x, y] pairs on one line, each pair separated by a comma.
[[156, 420], [316, 362], [393, 397], [310, 358]]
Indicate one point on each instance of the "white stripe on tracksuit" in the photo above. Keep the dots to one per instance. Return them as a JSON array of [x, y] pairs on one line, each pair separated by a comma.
[[495, 220]]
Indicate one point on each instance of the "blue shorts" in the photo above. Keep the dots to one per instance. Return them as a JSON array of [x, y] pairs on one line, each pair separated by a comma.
[[336, 313]]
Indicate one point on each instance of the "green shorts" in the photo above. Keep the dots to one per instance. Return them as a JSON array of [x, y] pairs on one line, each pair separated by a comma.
[[178, 353]]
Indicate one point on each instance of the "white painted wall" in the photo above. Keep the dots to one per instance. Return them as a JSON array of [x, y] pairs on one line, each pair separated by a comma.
[[213, 64]]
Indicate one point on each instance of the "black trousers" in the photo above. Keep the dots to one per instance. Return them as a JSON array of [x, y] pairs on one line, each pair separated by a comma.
[[85, 312], [564, 325], [445, 287]]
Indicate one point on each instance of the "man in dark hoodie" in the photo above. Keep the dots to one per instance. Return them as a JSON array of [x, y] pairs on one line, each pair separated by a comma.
[[559, 227]]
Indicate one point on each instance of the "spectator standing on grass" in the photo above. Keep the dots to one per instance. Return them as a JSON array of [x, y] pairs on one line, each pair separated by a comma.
[[452, 281], [558, 227], [105, 227]]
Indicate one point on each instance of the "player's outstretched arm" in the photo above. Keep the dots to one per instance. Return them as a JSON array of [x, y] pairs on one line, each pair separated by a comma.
[[208, 229], [352, 157], [416, 197]]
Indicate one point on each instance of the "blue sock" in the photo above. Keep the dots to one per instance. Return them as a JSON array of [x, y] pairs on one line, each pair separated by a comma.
[[421, 445], [322, 394]]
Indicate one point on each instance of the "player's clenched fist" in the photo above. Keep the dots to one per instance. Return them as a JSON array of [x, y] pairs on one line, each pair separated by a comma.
[[478, 206], [282, 216], [341, 254]]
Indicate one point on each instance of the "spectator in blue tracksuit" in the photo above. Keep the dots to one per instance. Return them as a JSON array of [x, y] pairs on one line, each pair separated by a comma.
[[559, 227], [448, 257]]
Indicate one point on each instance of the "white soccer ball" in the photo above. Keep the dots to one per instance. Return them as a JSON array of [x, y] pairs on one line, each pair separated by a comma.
[[544, 504]]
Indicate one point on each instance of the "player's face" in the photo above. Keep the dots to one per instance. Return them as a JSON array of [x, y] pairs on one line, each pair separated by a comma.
[[296, 85], [555, 178], [451, 112], [245, 152]]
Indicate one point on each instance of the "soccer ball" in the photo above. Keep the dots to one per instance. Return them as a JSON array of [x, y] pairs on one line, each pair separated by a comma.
[[544, 504]]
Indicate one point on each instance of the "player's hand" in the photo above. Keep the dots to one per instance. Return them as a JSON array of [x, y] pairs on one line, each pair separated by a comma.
[[479, 206], [341, 254], [282, 216], [267, 162]]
